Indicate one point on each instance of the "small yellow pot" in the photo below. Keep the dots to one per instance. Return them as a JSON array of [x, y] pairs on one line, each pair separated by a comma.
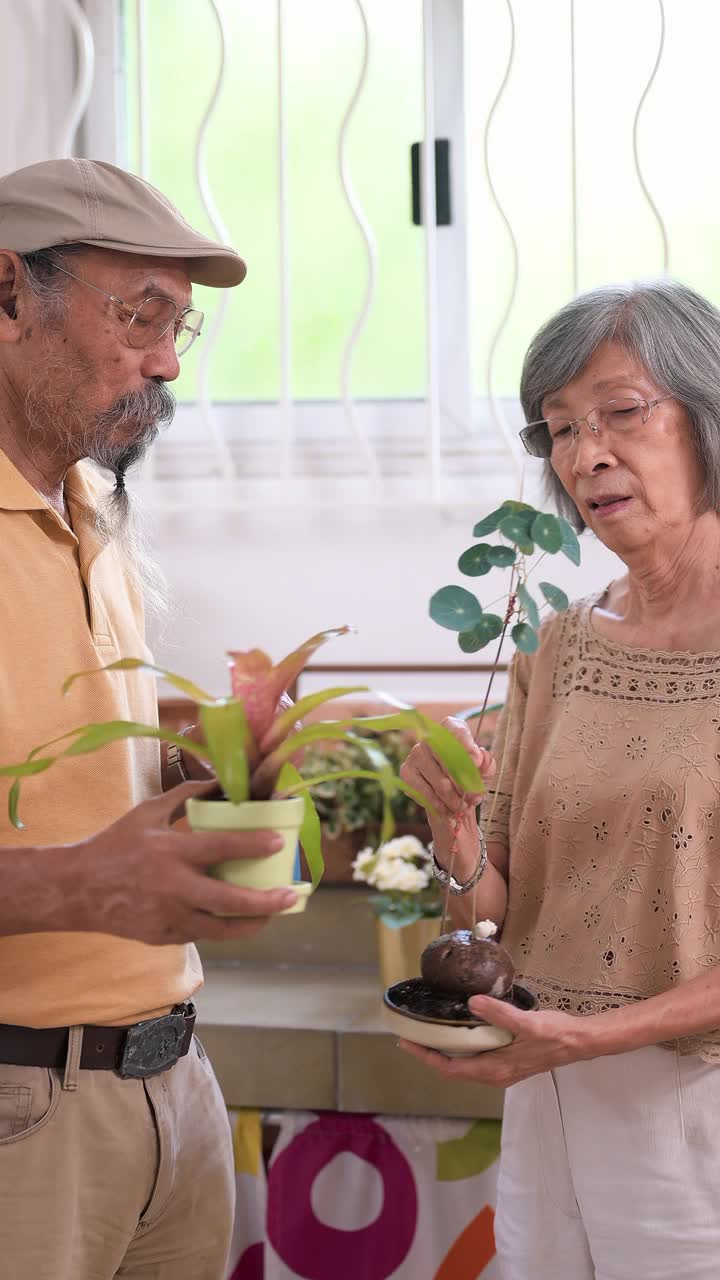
[[274, 872], [399, 950]]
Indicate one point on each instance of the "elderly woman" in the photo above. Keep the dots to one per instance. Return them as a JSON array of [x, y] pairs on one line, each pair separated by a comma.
[[604, 844]]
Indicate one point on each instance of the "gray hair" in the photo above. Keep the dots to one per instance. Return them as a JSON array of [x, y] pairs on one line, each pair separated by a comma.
[[672, 331], [117, 518], [45, 282]]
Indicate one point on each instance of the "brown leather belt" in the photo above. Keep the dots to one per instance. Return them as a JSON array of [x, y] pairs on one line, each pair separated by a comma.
[[142, 1049]]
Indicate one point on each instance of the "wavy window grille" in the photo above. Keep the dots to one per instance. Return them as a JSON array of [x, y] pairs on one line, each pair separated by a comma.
[[365, 358]]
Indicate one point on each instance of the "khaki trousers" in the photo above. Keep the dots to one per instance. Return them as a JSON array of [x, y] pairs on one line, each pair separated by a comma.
[[102, 1177]]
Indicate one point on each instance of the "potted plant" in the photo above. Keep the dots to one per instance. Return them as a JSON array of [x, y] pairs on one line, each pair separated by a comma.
[[350, 809], [407, 906], [432, 1009], [231, 728]]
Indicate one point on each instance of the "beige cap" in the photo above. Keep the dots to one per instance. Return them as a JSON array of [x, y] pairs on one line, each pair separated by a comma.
[[75, 201]]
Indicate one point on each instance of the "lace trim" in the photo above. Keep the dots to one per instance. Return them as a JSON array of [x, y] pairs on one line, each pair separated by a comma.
[[583, 1003], [588, 663]]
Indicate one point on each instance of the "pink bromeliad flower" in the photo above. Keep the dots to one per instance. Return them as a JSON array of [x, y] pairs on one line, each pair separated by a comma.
[[259, 682]]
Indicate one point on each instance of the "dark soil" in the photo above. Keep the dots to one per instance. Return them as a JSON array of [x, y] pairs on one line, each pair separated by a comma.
[[415, 997]]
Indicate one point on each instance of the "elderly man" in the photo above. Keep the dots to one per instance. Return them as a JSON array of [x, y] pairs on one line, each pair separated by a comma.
[[105, 1170]]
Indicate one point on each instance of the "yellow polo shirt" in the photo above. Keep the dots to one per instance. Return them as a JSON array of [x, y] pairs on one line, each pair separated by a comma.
[[68, 604]]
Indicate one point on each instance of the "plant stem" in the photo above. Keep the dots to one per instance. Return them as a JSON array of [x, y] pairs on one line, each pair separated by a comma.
[[458, 818]]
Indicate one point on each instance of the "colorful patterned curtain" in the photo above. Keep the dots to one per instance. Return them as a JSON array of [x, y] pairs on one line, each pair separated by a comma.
[[366, 1198]]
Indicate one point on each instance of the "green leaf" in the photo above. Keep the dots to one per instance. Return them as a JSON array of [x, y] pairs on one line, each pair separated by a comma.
[[27, 768], [310, 832], [395, 919], [512, 505], [570, 545], [284, 722], [138, 664], [525, 638], [516, 528], [547, 533], [454, 757], [455, 608], [227, 734], [555, 597], [503, 557], [475, 561], [88, 737], [386, 777], [491, 522], [528, 605], [487, 629], [443, 743]]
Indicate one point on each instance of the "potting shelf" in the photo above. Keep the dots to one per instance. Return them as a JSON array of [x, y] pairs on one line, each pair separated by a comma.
[[292, 1020]]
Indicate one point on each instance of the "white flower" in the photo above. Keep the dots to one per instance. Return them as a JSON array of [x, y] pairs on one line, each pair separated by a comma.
[[363, 864], [407, 847], [401, 876], [394, 866], [484, 929]]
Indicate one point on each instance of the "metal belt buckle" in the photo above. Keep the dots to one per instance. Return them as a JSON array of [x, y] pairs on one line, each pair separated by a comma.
[[151, 1047]]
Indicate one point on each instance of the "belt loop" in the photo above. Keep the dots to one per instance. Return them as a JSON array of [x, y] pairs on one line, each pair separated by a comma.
[[72, 1062]]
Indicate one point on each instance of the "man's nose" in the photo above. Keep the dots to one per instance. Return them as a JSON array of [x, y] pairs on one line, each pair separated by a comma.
[[161, 359]]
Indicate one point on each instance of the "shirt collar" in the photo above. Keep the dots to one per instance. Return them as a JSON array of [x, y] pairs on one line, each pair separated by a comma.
[[82, 488]]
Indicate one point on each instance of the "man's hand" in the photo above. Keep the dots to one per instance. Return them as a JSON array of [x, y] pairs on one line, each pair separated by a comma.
[[141, 878]]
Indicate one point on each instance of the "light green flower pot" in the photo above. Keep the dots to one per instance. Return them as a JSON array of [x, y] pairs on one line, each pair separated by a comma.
[[274, 872]]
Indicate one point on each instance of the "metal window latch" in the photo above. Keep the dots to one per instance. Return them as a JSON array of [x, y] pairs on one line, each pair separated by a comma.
[[443, 209]]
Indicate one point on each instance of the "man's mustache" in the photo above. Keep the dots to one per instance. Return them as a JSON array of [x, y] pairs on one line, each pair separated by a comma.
[[142, 413], [153, 407]]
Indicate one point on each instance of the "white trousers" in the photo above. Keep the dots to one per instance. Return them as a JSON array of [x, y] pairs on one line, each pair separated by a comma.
[[610, 1170]]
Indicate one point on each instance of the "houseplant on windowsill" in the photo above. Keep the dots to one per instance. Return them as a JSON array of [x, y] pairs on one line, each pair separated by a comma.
[[231, 729], [432, 1010]]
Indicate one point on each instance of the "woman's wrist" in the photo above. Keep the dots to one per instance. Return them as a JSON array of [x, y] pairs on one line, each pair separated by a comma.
[[467, 846]]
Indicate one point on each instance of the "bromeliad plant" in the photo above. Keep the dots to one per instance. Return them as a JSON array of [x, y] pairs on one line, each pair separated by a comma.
[[233, 728], [524, 531]]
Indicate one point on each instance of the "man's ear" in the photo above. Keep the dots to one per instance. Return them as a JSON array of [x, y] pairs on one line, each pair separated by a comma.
[[11, 275]]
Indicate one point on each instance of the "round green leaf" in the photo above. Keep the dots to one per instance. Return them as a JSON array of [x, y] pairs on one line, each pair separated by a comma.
[[474, 561], [528, 605], [501, 556], [570, 545], [487, 629], [512, 505], [455, 608], [490, 523], [547, 533], [516, 529], [525, 638], [555, 597]]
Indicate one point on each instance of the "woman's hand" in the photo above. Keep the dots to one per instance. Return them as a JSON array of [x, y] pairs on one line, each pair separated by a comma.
[[423, 770], [543, 1041]]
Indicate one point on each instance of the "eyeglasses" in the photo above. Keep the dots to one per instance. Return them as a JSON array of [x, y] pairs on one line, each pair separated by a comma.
[[149, 322], [554, 437]]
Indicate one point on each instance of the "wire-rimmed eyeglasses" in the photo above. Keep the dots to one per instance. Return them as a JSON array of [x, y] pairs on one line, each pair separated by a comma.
[[553, 437], [152, 318]]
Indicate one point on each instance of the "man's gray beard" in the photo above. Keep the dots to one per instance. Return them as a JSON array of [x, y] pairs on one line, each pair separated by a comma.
[[56, 419]]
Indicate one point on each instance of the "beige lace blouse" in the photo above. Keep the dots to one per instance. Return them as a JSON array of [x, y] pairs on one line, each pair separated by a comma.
[[608, 797]]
